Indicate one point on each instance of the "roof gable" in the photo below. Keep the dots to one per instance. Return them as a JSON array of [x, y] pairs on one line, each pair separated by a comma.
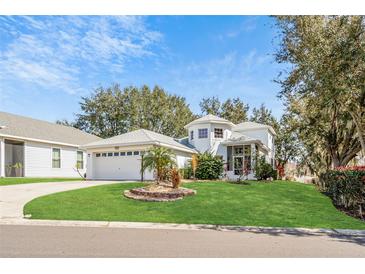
[[34, 129], [252, 126], [210, 118], [139, 137]]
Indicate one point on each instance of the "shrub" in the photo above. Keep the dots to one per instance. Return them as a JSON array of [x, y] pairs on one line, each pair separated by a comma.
[[346, 188], [209, 167], [264, 170], [274, 174], [175, 178], [186, 172]]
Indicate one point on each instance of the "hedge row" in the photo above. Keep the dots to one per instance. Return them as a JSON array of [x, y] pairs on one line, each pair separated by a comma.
[[346, 188]]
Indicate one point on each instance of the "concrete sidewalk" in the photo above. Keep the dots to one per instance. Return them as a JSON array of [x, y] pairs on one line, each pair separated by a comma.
[[174, 226], [14, 197]]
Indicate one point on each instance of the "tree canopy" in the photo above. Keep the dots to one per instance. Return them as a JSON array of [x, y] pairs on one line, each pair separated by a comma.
[[324, 85], [111, 111], [234, 110]]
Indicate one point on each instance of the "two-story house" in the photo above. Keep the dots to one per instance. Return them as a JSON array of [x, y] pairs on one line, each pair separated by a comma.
[[119, 157], [238, 145]]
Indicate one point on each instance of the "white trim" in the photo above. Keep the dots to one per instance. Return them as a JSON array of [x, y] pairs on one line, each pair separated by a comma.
[[209, 122], [157, 143], [37, 140]]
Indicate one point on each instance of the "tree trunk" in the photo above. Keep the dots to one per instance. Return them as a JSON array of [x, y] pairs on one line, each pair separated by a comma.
[[360, 131]]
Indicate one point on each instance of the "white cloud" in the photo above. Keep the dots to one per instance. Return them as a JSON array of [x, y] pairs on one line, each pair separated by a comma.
[[248, 25], [56, 52]]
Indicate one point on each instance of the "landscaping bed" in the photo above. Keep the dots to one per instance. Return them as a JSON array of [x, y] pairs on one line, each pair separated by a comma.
[[158, 193], [274, 204]]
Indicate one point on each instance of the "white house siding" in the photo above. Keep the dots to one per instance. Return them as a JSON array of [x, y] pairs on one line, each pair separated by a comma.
[[203, 144], [38, 161], [2, 157], [182, 159], [208, 144]]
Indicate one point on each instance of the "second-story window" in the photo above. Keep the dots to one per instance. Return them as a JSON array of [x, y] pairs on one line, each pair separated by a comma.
[[218, 133], [203, 133], [192, 135]]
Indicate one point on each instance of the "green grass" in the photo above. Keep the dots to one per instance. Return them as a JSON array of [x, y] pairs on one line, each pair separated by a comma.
[[277, 204], [16, 181]]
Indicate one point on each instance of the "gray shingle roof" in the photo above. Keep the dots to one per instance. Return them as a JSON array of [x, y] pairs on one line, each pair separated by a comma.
[[140, 137], [29, 128], [209, 119], [252, 125]]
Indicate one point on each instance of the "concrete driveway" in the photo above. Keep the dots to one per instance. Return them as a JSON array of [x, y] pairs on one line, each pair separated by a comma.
[[14, 197]]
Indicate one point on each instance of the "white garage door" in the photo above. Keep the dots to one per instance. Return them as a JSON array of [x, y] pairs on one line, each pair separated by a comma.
[[118, 166]]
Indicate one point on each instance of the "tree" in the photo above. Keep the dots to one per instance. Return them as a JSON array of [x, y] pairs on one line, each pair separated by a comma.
[[264, 116], [112, 111], [65, 122], [287, 145], [234, 110], [324, 87], [210, 105], [158, 159]]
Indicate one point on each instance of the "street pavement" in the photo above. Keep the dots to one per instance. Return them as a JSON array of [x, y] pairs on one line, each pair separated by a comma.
[[66, 241]]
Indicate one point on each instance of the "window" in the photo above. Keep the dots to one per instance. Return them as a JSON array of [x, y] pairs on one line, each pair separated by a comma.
[[80, 160], [192, 135], [135, 152], [122, 153], [238, 150], [203, 133], [229, 158], [129, 153], [116, 153], [103, 154], [56, 158], [97, 154], [110, 154], [218, 133]]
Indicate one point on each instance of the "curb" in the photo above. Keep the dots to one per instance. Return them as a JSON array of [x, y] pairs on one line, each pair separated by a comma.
[[223, 228]]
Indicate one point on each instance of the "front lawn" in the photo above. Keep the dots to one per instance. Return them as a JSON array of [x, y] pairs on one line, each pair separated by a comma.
[[16, 181], [277, 204]]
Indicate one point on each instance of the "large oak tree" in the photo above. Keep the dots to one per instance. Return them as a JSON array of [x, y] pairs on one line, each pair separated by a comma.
[[324, 84]]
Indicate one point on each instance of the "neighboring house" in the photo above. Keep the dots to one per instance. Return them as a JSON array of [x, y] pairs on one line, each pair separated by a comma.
[[35, 148], [119, 157]]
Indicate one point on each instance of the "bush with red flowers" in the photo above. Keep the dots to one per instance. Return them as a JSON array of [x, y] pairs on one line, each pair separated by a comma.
[[346, 187]]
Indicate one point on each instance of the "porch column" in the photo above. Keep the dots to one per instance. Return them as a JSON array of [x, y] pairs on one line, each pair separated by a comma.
[[89, 165], [2, 158], [253, 157]]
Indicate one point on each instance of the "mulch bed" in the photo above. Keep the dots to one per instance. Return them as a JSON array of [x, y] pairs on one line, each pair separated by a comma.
[[158, 193]]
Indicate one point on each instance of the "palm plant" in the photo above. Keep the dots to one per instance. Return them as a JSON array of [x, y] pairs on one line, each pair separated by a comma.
[[158, 159]]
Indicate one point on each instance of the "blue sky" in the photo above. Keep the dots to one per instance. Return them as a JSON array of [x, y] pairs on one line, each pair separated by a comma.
[[48, 63]]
